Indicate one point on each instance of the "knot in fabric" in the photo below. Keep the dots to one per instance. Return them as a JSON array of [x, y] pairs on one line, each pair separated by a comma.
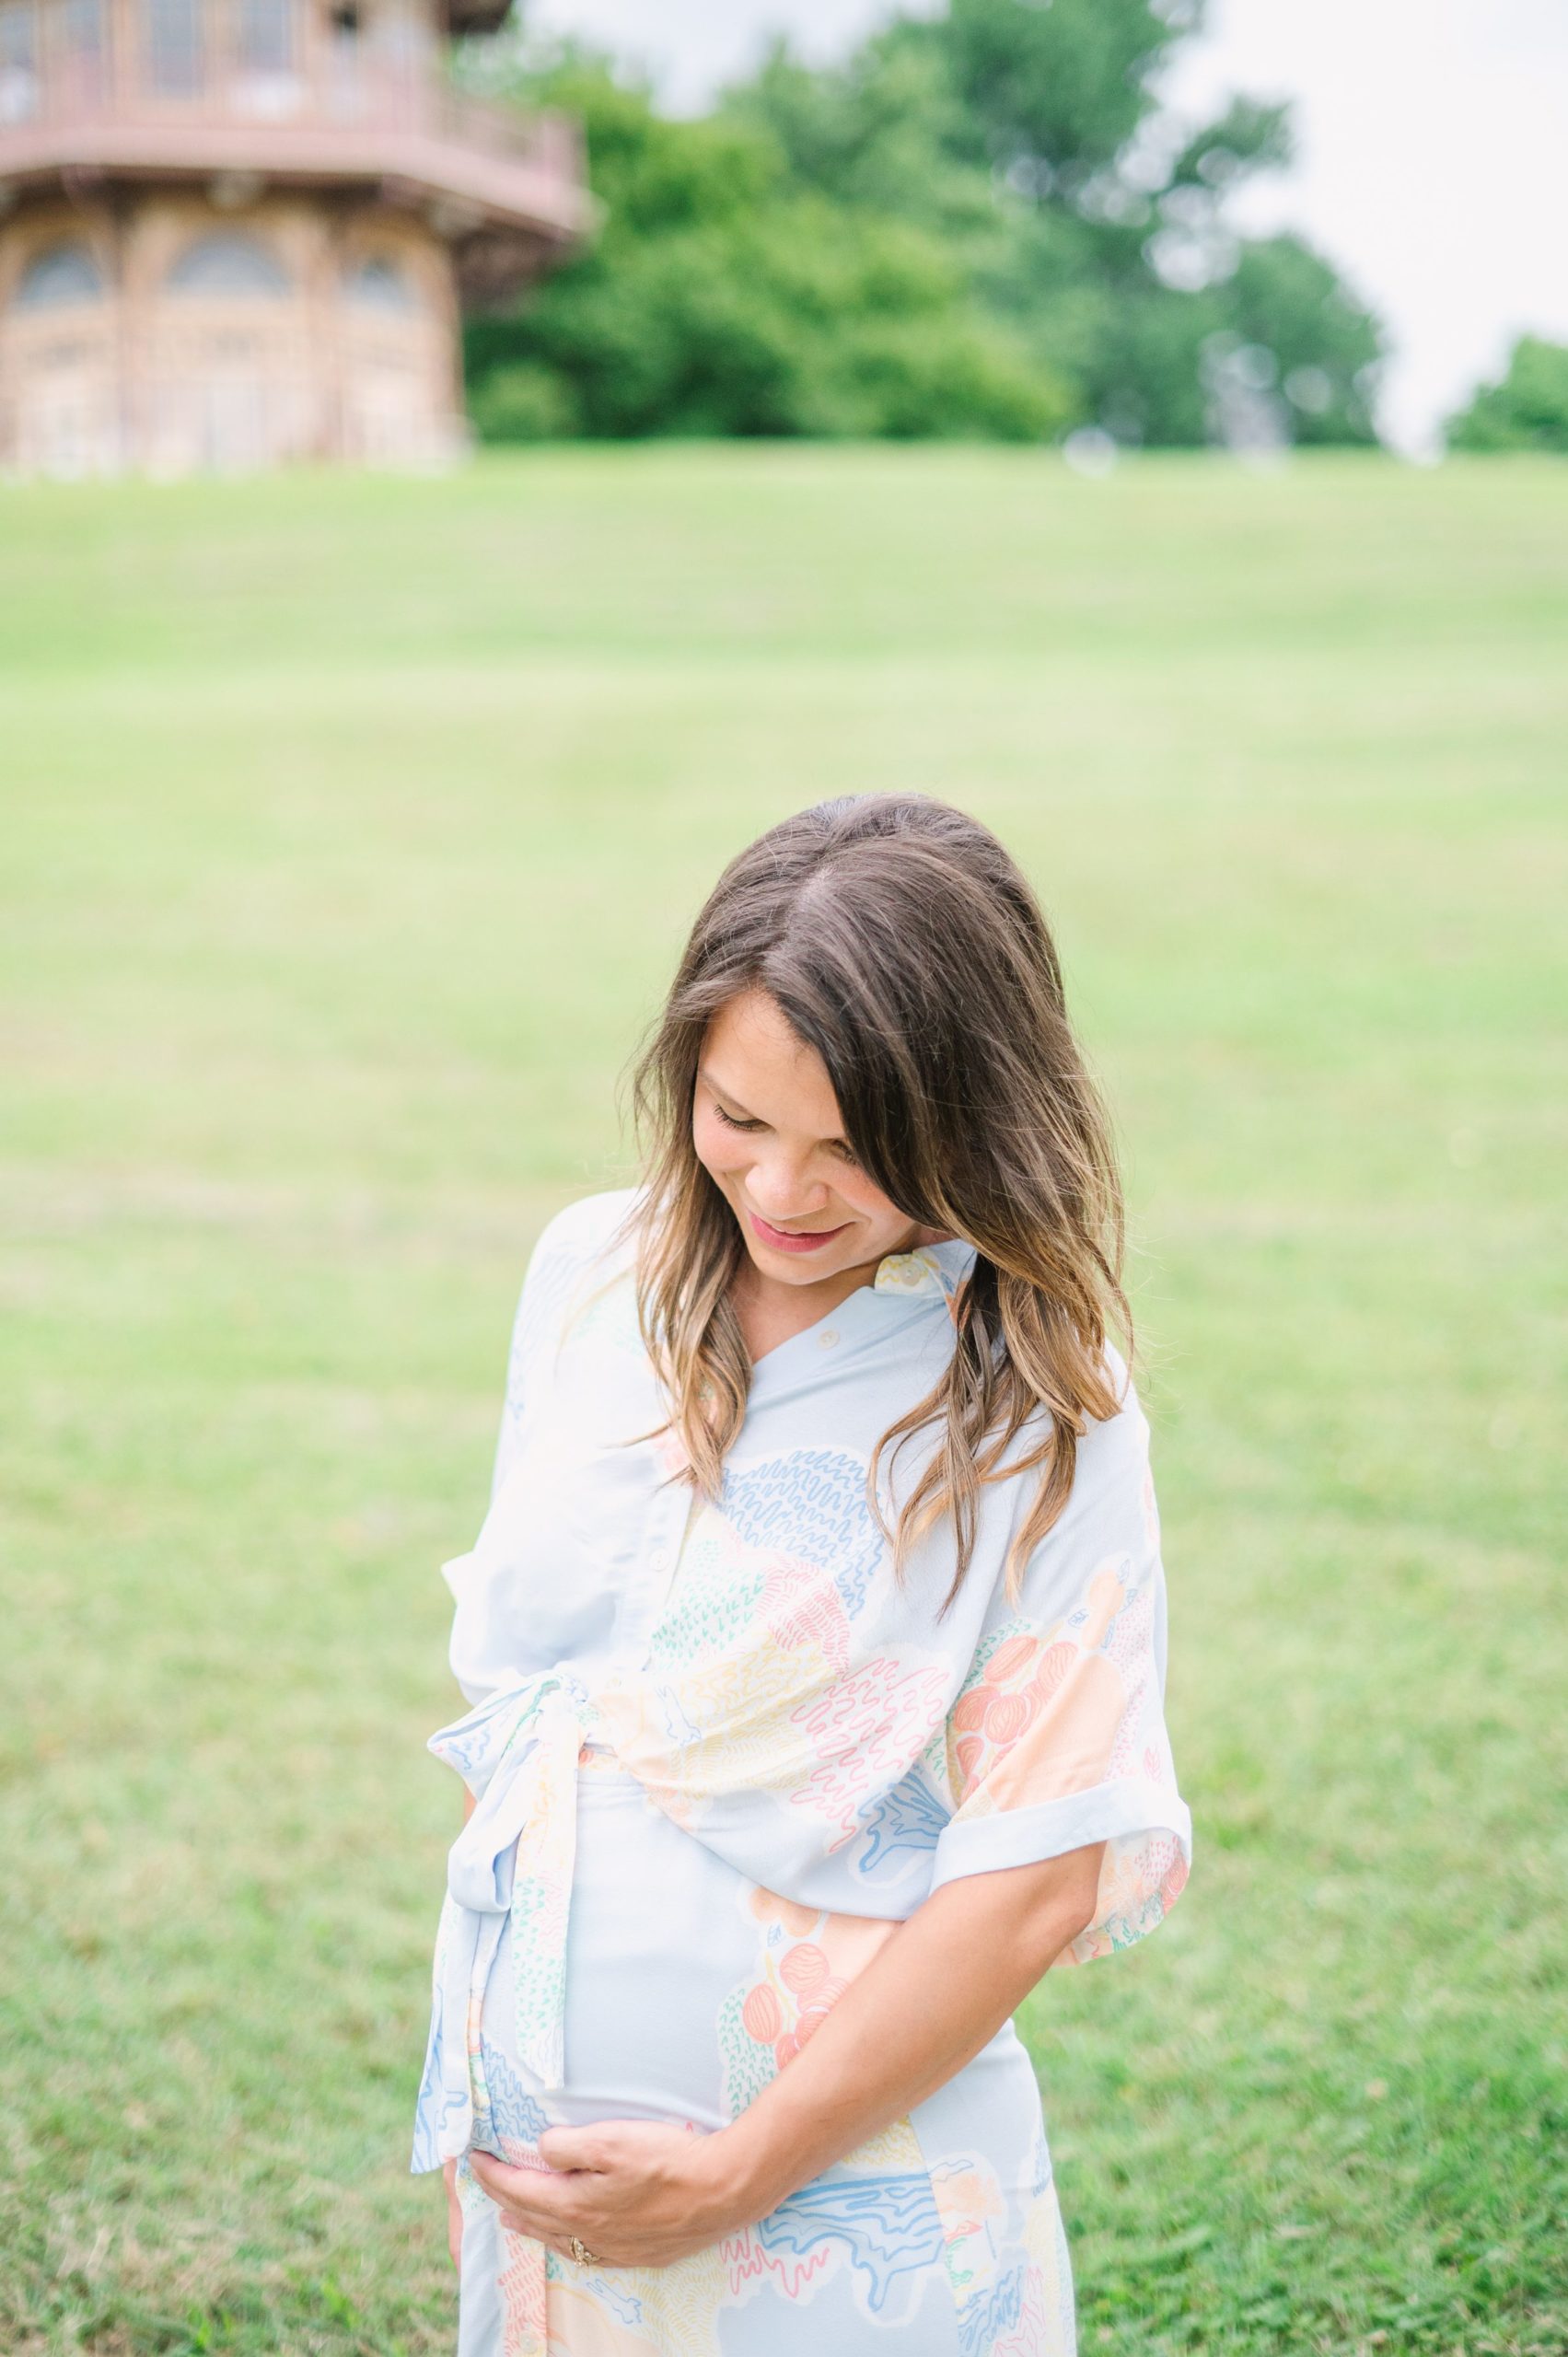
[[514, 1859]]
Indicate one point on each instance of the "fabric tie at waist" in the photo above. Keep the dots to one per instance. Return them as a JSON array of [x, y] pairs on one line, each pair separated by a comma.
[[518, 1754]]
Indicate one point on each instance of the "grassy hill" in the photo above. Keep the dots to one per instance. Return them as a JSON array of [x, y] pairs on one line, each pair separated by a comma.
[[351, 828]]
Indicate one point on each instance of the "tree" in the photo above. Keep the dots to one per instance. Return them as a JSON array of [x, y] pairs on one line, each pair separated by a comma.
[[981, 223], [727, 296], [1528, 411]]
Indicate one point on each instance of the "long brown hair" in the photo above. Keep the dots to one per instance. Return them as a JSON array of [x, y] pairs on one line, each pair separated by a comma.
[[902, 943]]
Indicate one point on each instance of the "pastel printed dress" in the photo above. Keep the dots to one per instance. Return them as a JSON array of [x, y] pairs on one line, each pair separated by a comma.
[[718, 1753]]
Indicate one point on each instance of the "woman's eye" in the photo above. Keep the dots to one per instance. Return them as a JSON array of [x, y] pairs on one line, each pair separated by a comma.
[[731, 1123]]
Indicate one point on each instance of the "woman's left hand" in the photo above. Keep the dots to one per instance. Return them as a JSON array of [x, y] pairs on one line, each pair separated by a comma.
[[636, 2193]]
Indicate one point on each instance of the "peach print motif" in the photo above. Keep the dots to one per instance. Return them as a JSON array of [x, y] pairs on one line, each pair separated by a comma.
[[1041, 1720], [1139, 1886], [974, 2213], [809, 1962]]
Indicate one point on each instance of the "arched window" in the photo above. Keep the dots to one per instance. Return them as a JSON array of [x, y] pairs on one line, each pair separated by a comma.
[[383, 283], [227, 262], [62, 274]]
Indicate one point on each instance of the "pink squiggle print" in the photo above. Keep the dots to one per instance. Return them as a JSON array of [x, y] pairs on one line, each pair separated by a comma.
[[745, 2261], [866, 1730], [525, 2315], [803, 1607], [524, 2298]]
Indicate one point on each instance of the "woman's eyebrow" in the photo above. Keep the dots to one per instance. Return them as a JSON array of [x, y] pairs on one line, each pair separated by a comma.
[[716, 1085]]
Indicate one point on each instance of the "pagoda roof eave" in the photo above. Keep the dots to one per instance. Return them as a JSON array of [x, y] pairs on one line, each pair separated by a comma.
[[503, 192]]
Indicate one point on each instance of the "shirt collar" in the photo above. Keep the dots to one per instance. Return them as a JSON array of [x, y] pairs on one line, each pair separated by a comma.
[[933, 1269]]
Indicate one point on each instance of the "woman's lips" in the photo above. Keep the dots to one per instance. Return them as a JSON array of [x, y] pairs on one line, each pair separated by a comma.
[[780, 1240]]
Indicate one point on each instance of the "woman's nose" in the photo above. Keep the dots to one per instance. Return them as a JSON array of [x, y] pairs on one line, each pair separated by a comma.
[[782, 1190]]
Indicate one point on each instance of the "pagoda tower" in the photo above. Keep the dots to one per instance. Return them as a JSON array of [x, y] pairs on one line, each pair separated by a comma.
[[235, 233]]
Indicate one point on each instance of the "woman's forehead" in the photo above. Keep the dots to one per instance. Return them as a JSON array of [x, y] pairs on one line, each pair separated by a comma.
[[750, 1053]]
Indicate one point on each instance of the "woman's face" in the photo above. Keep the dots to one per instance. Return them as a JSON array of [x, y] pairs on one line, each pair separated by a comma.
[[766, 1127]]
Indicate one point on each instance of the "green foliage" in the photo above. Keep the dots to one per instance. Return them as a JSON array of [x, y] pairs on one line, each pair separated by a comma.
[[654, 176], [727, 296], [1528, 410], [980, 224], [1065, 87], [523, 400], [1246, 138], [1287, 301], [885, 131]]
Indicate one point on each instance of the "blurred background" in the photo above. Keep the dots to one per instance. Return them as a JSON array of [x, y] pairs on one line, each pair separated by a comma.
[[1145, 430]]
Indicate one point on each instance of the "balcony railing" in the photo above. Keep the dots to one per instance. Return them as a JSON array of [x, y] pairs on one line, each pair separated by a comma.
[[272, 86]]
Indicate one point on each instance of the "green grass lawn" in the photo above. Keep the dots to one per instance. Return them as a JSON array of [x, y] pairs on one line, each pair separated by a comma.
[[351, 828]]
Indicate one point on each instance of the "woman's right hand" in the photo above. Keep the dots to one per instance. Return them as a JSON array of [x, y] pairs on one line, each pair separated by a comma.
[[454, 2214]]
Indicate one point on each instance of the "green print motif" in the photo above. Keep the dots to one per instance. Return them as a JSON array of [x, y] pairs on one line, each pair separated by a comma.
[[748, 2064], [716, 1602]]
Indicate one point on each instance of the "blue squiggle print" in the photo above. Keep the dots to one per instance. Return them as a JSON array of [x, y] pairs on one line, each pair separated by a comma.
[[889, 2226], [810, 1504], [994, 2310], [513, 2112], [904, 1822]]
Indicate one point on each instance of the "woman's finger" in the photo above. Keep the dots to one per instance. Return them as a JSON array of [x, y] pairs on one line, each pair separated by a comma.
[[503, 2181], [546, 2203], [572, 2148], [540, 2219]]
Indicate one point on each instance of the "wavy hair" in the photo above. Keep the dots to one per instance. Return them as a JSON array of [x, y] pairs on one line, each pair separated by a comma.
[[902, 943]]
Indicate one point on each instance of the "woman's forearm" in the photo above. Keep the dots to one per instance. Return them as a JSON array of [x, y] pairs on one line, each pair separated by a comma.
[[929, 2000], [642, 2193]]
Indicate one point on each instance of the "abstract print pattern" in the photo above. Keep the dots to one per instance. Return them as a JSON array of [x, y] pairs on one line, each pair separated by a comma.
[[733, 1705], [805, 1960]]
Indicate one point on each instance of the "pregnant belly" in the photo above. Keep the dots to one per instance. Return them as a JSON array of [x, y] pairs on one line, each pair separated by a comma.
[[661, 1935], [688, 1986], [660, 1940]]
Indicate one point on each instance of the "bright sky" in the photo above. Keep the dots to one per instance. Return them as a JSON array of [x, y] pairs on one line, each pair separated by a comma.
[[1431, 139]]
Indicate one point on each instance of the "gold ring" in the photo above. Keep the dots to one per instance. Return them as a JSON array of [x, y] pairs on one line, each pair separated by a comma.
[[581, 2252]]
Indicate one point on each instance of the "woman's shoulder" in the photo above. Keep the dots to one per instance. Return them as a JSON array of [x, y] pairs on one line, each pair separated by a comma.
[[584, 1248], [585, 1231], [1116, 1445], [1111, 1450], [1119, 1375]]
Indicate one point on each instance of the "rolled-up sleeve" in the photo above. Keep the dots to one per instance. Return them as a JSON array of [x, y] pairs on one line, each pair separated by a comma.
[[481, 1650], [1057, 1738], [529, 1328]]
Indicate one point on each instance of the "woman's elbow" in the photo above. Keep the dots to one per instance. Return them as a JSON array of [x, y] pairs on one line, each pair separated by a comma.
[[1065, 1907]]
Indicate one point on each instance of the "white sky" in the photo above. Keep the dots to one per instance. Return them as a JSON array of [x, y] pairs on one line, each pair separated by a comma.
[[1431, 147]]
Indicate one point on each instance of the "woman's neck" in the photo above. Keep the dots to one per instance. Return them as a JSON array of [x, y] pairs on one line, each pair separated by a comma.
[[772, 1312]]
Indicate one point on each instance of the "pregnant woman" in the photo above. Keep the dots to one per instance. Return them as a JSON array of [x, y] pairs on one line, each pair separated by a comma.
[[816, 1644]]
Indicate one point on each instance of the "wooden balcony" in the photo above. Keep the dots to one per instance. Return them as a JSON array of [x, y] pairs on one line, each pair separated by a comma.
[[241, 91]]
